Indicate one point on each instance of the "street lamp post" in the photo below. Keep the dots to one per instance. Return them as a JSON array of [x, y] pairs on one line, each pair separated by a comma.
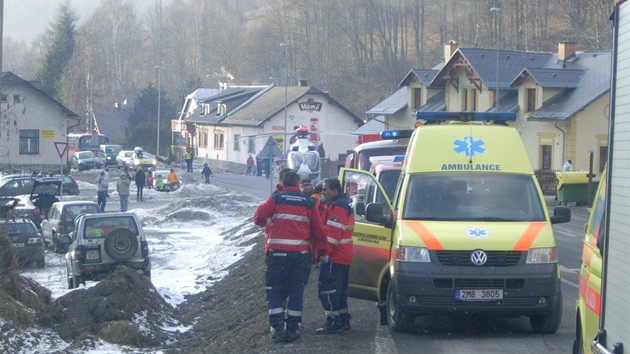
[[497, 11], [157, 149], [286, 69]]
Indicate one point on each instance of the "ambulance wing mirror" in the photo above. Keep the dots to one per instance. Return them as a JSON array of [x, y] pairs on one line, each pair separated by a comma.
[[376, 213], [359, 208], [561, 214]]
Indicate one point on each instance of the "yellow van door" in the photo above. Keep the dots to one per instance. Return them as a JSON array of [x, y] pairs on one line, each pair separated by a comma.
[[372, 242]]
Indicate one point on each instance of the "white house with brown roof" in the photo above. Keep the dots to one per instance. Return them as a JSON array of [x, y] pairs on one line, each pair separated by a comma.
[[30, 124], [238, 121]]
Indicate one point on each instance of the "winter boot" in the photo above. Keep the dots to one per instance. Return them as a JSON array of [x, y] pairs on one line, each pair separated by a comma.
[[278, 334]]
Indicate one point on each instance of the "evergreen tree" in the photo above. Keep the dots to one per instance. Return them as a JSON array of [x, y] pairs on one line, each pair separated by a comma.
[[142, 127], [62, 41]]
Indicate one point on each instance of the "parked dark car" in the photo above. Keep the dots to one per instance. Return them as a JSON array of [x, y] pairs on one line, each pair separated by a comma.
[[107, 154], [44, 193], [60, 220], [20, 184], [26, 241], [85, 160]]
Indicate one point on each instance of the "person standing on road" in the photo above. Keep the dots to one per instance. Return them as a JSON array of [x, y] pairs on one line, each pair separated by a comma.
[[338, 219], [141, 179], [108, 179], [206, 172], [189, 160], [259, 166], [101, 190], [295, 227], [122, 187], [567, 167], [250, 165]]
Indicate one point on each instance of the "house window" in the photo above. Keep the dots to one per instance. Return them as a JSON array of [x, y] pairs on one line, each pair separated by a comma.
[[531, 100], [251, 145], [218, 140], [417, 98], [16, 98], [469, 99], [603, 157], [4, 98], [204, 140], [29, 141], [237, 145], [545, 157], [222, 108]]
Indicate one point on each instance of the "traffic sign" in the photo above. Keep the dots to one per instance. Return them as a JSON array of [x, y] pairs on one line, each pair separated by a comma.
[[271, 149], [61, 147]]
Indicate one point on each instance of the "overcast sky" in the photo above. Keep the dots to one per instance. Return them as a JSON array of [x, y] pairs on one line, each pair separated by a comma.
[[26, 19]]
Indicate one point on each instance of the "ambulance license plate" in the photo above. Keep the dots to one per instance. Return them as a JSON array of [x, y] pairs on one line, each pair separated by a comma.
[[479, 295]]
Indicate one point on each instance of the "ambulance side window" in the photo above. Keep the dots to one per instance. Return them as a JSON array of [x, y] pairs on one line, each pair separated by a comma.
[[361, 189]]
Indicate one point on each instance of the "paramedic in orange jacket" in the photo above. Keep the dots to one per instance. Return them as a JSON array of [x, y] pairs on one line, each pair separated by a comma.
[[294, 229], [338, 219]]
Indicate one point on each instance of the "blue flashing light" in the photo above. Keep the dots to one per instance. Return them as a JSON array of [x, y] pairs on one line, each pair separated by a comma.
[[399, 158], [395, 134], [466, 116]]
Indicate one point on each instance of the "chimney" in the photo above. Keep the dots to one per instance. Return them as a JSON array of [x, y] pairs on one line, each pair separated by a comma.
[[449, 49], [566, 49]]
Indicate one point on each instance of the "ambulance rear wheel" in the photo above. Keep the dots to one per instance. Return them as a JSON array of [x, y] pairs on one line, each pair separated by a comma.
[[398, 321], [549, 323]]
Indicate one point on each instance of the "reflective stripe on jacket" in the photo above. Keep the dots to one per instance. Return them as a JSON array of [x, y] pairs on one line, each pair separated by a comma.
[[338, 219], [291, 222]]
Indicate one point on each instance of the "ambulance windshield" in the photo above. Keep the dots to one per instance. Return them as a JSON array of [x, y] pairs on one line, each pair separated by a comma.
[[478, 196]]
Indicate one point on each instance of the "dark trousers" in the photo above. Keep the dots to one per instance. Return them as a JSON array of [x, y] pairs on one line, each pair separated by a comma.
[[189, 166], [139, 191], [333, 291], [101, 199], [286, 276]]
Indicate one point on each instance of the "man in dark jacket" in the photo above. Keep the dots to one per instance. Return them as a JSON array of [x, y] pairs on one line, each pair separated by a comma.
[[141, 180], [206, 172], [294, 228]]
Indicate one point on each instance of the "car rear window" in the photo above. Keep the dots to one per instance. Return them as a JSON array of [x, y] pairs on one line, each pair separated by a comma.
[[17, 228], [101, 227]]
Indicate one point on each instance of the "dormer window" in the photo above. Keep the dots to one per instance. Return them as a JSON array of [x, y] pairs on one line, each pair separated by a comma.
[[469, 99], [222, 109], [531, 99], [417, 98], [16, 98], [204, 109], [4, 98]]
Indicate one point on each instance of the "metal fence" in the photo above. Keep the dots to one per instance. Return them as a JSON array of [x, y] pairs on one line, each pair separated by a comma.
[[547, 181]]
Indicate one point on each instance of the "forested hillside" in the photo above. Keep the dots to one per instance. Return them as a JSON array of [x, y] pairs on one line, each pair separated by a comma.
[[357, 50]]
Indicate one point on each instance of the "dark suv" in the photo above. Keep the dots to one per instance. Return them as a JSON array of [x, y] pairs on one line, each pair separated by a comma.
[[26, 241], [101, 242], [19, 184]]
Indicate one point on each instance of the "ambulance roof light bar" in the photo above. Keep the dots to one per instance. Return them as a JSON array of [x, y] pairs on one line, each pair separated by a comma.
[[497, 117], [396, 134]]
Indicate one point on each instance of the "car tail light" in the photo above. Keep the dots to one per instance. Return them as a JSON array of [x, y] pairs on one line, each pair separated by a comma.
[[36, 211], [35, 240], [145, 248], [78, 253]]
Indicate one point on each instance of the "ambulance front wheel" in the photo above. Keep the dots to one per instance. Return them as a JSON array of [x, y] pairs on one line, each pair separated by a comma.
[[398, 321], [549, 323]]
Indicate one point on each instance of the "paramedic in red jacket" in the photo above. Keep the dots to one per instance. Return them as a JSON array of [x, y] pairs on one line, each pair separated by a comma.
[[294, 228], [338, 219]]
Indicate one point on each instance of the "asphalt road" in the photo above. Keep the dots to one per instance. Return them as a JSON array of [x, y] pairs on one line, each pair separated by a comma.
[[461, 334]]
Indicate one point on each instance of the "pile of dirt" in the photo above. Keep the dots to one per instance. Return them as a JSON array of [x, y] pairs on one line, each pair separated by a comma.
[[124, 308]]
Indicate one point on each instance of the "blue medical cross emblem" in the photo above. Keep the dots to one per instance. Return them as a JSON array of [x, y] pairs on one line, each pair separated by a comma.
[[469, 146], [477, 232]]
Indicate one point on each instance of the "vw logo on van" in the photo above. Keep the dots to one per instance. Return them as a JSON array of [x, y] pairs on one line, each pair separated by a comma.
[[478, 257]]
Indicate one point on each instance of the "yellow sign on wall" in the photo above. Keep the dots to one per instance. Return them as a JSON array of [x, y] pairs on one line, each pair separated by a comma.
[[48, 134]]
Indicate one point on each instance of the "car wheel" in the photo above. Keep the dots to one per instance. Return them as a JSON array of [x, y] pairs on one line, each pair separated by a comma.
[[121, 244], [73, 280], [398, 320], [549, 323]]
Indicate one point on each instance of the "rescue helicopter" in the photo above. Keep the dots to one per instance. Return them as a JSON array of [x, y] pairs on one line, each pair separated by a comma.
[[303, 156]]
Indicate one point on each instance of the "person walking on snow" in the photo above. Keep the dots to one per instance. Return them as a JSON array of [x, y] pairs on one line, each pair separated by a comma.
[[206, 172], [122, 187], [338, 219], [294, 231], [141, 179]]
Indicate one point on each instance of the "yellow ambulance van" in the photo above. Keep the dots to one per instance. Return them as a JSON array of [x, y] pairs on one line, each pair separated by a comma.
[[467, 231]]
